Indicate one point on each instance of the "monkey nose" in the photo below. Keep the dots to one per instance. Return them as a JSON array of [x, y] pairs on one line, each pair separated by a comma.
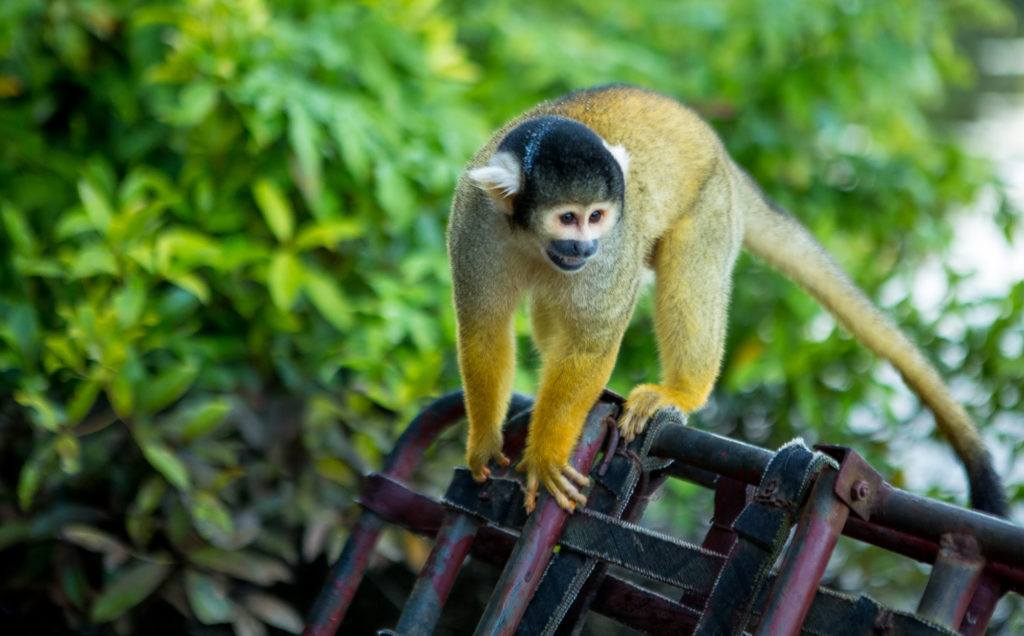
[[574, 249]]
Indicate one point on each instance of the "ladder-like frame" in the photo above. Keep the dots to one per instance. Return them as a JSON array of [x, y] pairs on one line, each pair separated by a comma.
[[734, 582]]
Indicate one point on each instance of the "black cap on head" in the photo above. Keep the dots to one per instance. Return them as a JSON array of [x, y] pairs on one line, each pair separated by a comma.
[[562, 161]]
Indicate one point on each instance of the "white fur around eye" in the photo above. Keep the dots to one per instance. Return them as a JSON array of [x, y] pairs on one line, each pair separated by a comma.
[[621, 156], [500, 175]]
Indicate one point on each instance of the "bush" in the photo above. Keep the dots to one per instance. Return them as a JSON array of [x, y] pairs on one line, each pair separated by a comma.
[[223, 287]]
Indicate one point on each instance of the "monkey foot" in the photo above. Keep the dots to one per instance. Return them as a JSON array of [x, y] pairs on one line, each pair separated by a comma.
[[647, 399], [562, 481], [478, 455]]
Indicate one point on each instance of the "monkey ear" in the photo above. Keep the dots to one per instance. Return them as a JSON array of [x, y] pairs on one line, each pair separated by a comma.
[[620, 155], [500, 179]]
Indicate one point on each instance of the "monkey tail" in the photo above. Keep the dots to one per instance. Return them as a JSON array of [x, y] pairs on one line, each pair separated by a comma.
[[785, 244]]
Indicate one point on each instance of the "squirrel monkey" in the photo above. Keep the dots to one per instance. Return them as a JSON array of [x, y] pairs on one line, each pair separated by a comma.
[[569, 203]]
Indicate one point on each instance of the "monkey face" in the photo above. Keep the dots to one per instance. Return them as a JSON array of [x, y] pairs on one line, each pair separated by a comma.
[[570, 233]]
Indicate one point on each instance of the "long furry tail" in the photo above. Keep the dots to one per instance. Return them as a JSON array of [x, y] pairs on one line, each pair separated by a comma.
[[785, 244]]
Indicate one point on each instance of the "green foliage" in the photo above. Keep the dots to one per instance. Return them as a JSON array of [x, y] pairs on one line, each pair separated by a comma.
[[223, 286]]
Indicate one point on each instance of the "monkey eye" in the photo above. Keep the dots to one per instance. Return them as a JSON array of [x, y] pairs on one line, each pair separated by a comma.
[[568, 218], [596, 215]]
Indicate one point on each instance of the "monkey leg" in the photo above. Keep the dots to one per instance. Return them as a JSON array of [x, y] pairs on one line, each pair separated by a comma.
[[572, 377], [693, 265], [487, 363]]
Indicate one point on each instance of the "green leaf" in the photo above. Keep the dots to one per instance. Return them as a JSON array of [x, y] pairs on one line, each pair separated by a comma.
[[334, 469], [73, 583], [69, 452], [181, 250], [149, 496], [329, 301], [18, 229], [284, 279], [82, 399], [328, 233], [121, 394], [73, 224], [394, 193], [274, 612], [19, 328], [348, 129], [140, 523], [211, 518], [130, 301], [129, 587], [168, 386], [165, 461], [92, 260], [192, 284], [242, 564], [39, 463], [196, 101], [208, 598], [276, 209], [305, 140], [96, 205], [45, 413], [199, 420], [95, 540]]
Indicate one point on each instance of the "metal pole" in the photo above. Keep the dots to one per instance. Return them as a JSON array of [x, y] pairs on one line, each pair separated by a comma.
[[532, 551], [817, 532], [332, 603], [954, 578], [423, 608], [345, 577]]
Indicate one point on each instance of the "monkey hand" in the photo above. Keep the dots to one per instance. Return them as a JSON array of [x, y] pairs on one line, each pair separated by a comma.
[[558, 477], [647, 399], [480, 452]]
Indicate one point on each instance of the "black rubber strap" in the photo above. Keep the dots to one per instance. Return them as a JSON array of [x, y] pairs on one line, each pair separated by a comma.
[[761, 531], [562, 594]]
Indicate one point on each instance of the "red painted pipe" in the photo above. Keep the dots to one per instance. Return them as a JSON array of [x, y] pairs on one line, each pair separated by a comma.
[[426, 601], [816, 535], [532, 552]]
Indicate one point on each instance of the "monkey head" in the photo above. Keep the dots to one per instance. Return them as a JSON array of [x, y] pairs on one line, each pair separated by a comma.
[[559, 181]]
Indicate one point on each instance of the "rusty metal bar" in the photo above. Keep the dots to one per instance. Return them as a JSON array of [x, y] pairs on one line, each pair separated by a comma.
[[426, 601], [893, 508], [642, 609], [730, 498], [979, 612], [532, 552], [817, 532], [998, 539], [346, 575], [955, 576], [721, 455]]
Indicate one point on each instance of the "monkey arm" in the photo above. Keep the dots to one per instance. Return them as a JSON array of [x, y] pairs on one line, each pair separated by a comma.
[[487, 363], [571, 381]]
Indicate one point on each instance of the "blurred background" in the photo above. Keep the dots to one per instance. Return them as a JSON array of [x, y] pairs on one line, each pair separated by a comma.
[[224, 290]]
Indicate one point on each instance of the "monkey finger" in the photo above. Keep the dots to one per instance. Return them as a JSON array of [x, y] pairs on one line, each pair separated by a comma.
[[529, 503], [629, 426], [530, 499], [480, 474], [571, 491], [503, 460], [575, 475], [562, 501]]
